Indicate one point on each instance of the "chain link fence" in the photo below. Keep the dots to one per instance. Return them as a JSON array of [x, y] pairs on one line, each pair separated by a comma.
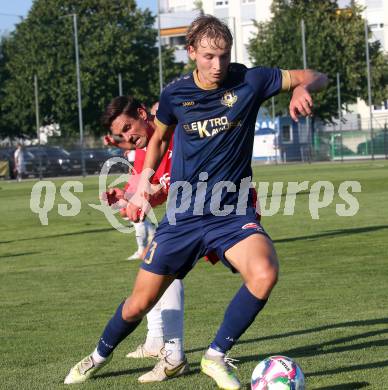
[[288, 141], [347, 145], [292, 142]]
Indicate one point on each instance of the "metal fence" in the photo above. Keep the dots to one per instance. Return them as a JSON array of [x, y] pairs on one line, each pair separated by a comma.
[[62, 156], [348, 145], [292, 142]]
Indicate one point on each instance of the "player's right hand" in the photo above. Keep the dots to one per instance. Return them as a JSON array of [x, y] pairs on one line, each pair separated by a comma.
[[301, 103]]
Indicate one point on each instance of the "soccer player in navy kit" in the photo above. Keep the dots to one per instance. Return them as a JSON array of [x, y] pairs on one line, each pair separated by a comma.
[[212, 113]]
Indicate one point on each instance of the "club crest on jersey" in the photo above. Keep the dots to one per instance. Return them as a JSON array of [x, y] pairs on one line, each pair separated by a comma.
[[229, 99], [251, 225]]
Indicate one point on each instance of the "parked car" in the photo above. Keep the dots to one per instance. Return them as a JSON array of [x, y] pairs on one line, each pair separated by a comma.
[[94, 160], [31, 164], [119, 167], [54, 161]]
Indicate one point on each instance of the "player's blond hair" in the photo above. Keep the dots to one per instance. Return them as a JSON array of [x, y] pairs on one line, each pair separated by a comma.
[[208, 26]]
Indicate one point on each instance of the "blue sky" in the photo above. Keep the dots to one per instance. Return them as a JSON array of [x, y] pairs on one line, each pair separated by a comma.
[[9, 9]]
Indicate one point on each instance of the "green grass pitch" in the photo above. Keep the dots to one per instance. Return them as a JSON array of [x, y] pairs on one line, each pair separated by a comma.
[[60, 283]]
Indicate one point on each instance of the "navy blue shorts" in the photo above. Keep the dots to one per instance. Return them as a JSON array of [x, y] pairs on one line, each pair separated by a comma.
[[176, 248]]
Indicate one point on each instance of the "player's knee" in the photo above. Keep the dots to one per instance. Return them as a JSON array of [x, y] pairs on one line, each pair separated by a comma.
[[135, 308], [265, 276]]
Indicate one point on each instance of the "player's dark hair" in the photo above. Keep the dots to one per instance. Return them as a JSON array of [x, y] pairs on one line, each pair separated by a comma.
[[120, 105], [210, 27]]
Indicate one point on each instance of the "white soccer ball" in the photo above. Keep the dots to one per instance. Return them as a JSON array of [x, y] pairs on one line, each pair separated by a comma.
[[277, 373]]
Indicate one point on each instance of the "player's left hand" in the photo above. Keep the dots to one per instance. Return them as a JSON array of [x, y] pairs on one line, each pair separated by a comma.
[[112, 196], [301, 103]]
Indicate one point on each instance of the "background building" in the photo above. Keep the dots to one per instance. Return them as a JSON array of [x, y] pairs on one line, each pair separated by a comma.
[[176, 16]]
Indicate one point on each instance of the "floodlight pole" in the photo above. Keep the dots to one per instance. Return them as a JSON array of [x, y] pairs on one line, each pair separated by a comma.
[[274, 127], [120, 85], [235, 38], [305, 67], [80, 119], [160, 51], [369, 87], [340, 112], [37, 123]]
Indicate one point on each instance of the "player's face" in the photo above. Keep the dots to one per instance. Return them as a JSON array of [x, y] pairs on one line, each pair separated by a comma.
[[131, 132], [212, 59]]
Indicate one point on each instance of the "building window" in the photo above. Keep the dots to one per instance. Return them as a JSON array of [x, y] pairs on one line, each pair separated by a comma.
[[382, 107], [165, 41], [248, 1], [178, 41], [221, 3], [287, 134]]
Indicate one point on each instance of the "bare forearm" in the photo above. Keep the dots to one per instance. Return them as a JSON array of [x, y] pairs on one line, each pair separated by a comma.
[[311, 80]]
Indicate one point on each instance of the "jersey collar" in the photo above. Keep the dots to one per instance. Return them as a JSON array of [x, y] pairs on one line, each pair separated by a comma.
[[201, 85]]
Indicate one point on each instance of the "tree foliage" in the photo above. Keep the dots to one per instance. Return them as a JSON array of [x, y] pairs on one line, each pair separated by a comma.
[[335, 42], [114, 37]]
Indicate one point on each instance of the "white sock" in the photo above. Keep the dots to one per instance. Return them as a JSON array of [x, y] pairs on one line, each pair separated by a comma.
[[174, 350], [172, 303], [154, 341], [154, 344], [141, 236], [97, 358], [214, 352]]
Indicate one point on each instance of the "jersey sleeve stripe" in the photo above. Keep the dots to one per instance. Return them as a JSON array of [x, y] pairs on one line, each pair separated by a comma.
[[286, 80], [162, 126]]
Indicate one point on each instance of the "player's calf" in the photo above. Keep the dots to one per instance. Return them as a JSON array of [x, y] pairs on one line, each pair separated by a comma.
[[148, 289]]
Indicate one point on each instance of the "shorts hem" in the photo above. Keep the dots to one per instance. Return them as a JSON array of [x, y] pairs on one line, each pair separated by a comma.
[[162, 273]]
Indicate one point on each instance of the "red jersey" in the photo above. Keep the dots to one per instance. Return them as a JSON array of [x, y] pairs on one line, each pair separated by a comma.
[[161, 176]]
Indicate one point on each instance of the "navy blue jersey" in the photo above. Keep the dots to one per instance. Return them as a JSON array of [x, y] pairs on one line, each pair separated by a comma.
[[214, 133]]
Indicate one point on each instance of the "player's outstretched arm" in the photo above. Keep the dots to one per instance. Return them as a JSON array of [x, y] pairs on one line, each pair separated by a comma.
[[302, 83]]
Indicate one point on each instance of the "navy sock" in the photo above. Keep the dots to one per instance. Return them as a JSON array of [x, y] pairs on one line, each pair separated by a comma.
[[115, 332], [239, 315]]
